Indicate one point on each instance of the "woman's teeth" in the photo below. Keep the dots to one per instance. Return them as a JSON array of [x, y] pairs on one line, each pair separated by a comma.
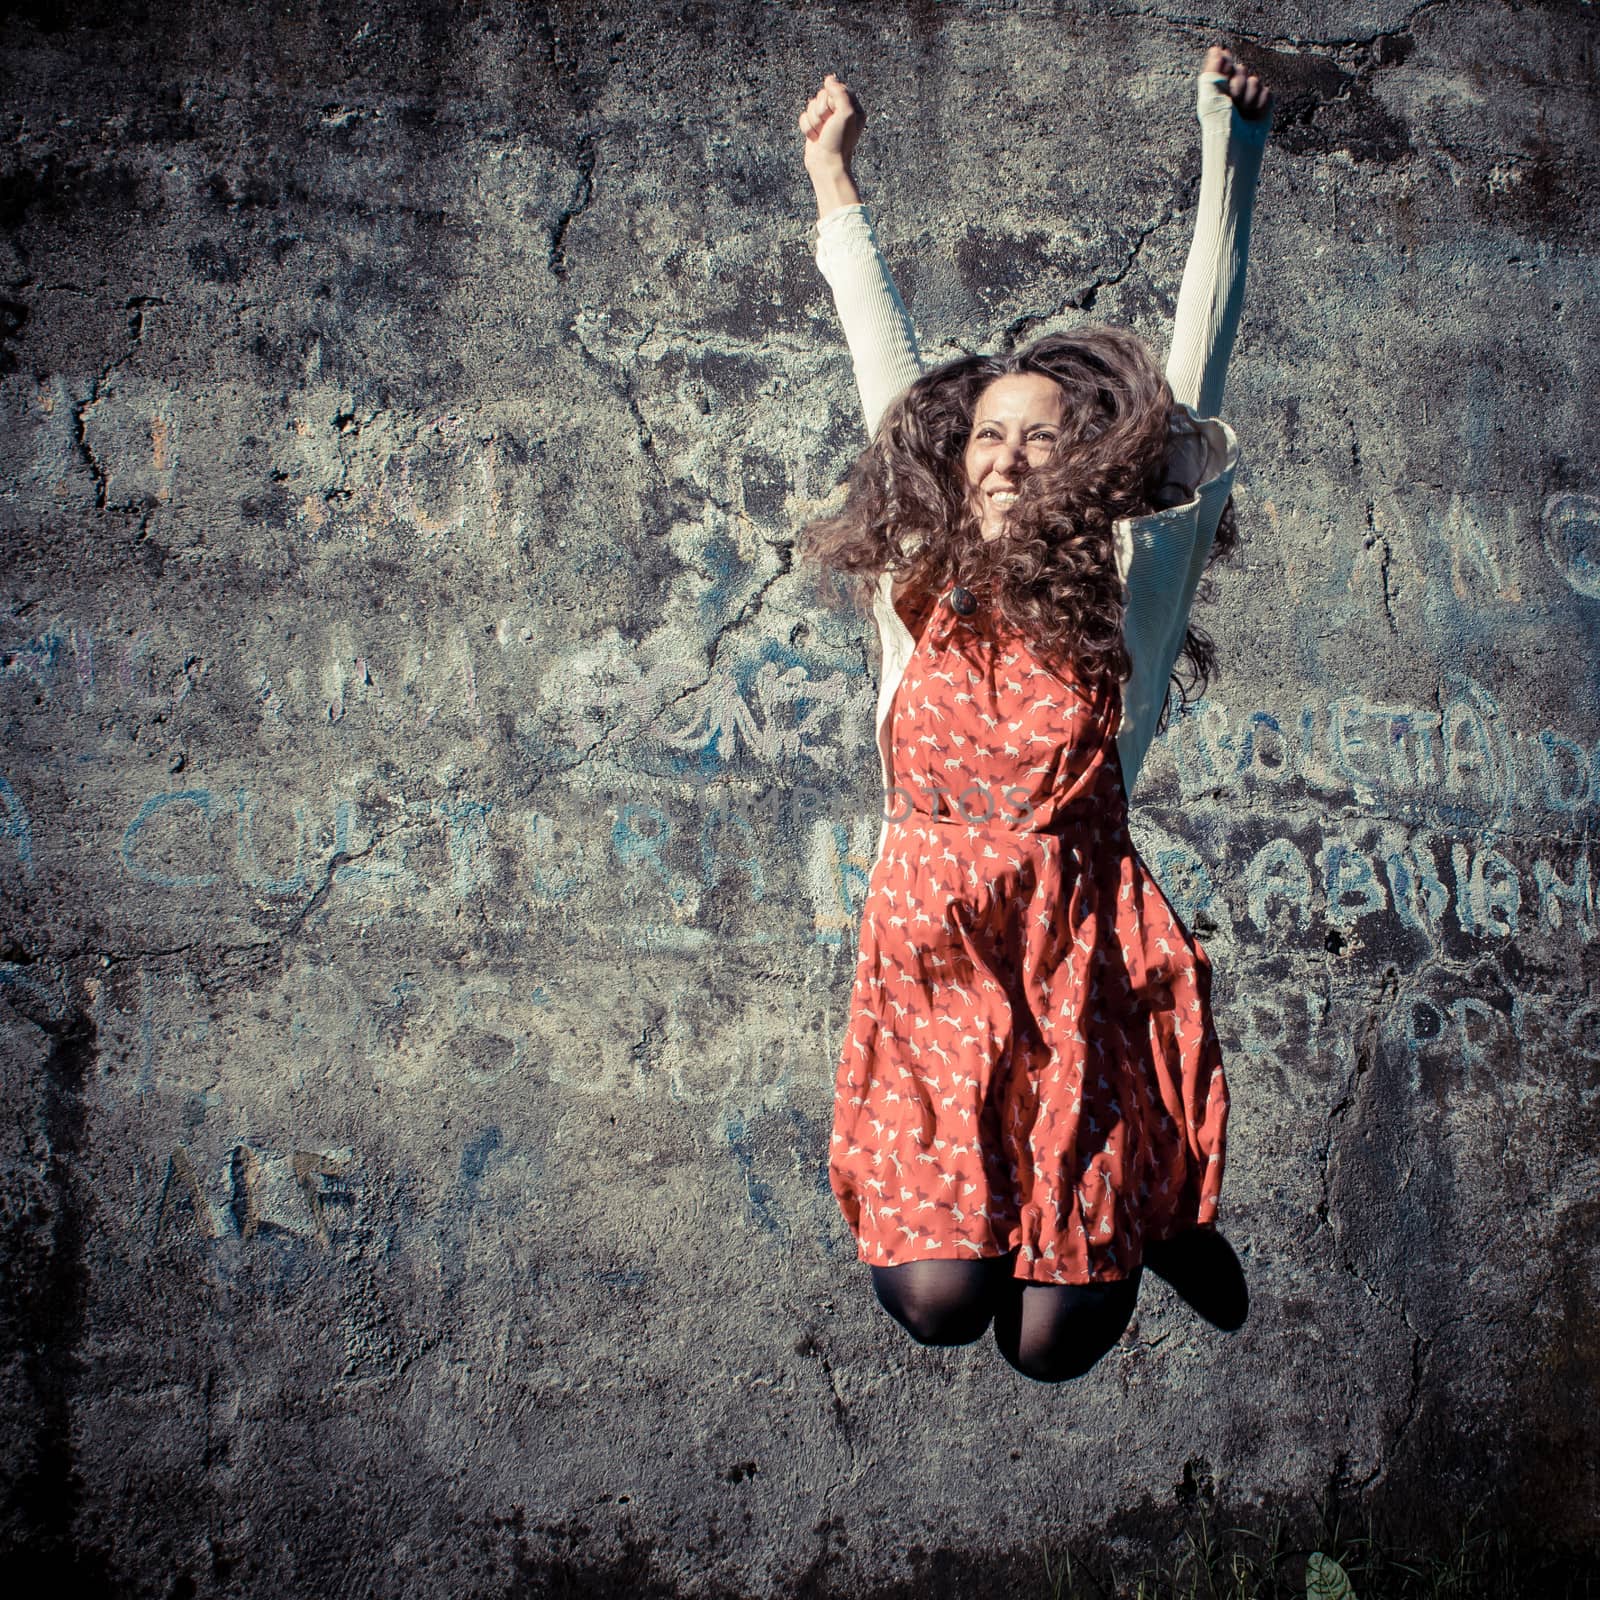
[[1004, 501]]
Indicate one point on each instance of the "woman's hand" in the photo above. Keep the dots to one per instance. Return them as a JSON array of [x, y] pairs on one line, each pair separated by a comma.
[[832, 123], [1252, 99]]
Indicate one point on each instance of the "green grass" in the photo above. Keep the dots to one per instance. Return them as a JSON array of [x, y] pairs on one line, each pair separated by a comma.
[[1234, 1563]]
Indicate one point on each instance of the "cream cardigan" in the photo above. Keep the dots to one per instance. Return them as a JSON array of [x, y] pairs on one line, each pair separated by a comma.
[[1160, 557]]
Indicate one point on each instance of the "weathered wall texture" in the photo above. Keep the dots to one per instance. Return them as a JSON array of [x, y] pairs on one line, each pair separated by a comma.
[[417, 1103]]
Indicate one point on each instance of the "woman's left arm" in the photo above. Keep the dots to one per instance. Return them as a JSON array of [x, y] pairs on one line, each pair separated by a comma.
[[1234, 109]]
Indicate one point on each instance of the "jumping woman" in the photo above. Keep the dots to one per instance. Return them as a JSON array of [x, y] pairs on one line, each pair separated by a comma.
[[1030, 1103]]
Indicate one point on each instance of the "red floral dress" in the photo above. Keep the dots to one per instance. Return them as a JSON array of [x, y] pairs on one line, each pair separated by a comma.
[[1031, 1063]]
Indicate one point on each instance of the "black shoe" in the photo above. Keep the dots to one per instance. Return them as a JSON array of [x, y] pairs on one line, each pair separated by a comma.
[[1202, 1269]]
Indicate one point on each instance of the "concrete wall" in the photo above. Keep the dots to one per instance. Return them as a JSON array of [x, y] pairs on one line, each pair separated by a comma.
[[414, 1169]]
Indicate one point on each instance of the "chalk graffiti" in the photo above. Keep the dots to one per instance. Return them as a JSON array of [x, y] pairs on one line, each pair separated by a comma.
[[1414, 878], [767, 705], [686, 1044], [1448, 1034], [403, 1030], [173, 828], [306, 1195], [1445, 764], [16, 829], [1571, 524], [685, 845], [442, 479], [396, 691], [838, 875]]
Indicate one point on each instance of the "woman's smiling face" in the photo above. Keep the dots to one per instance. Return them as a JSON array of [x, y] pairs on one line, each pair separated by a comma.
[[1015, 426]]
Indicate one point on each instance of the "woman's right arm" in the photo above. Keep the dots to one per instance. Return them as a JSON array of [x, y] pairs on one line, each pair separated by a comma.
[[877, 327]]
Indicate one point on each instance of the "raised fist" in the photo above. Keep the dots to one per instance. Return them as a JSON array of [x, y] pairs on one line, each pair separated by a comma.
[[1252, 99], [831, 122]]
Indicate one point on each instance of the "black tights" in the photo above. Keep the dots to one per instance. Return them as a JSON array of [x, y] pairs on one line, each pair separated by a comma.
[[1048, 1331]]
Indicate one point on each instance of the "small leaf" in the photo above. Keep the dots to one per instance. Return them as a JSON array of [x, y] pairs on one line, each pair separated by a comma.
[[1327, 1580]]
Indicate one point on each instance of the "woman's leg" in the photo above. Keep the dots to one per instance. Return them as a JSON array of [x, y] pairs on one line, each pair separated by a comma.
[[943, 1302], [1203, 1270], [1051, 1332]]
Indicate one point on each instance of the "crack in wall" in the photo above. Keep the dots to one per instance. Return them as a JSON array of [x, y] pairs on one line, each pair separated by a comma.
[[1421, 1348], [260, 951], [1337, 72], [1084, 299], [582, 196], [1354, 42], [1207, 28], [80, 435], [212, 951], [136, 307], [1377, 540], [747, 612], [618, 376]]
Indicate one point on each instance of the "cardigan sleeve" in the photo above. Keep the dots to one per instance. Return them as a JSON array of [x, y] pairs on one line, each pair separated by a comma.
[[1212, 293], [877, 327]]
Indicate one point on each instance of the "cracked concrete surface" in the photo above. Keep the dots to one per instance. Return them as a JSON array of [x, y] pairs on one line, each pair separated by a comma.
[[435, 805]]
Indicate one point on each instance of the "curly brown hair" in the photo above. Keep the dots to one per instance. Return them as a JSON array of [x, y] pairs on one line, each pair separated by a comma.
[[1053, 575]]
